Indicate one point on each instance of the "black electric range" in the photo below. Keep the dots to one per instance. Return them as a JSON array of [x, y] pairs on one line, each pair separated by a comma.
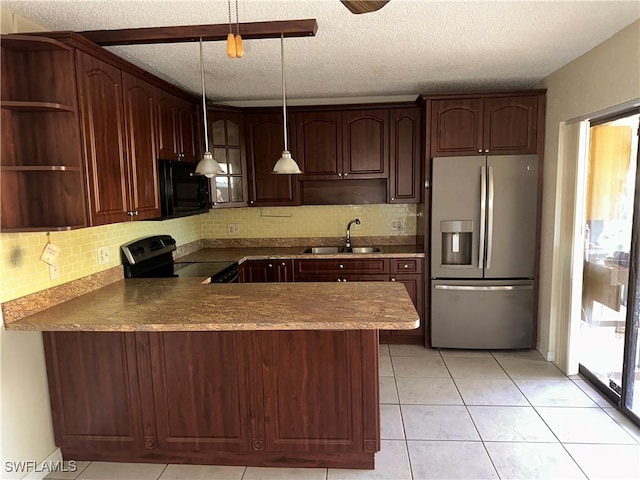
[[152, 257]]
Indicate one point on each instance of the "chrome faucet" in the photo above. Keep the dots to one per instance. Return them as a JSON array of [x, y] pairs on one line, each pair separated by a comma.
[[348, 240]]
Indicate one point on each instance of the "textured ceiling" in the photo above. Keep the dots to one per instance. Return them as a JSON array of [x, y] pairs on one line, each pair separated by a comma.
[[407, 48]]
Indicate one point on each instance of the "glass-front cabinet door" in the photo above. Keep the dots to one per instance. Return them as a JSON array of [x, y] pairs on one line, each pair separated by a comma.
[[226, 131], [608, 334]]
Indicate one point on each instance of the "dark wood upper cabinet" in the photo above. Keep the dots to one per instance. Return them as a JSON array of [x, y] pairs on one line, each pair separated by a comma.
[[456, 126], [167, 122], [319, 144], [103, 128], [176, 128], [118, 118], [489, 125], [186, 131], [264, 147], [227, 141], [510, 125], [41, 165], [82, 133], [365, 143], [405, 155], [139, 108]]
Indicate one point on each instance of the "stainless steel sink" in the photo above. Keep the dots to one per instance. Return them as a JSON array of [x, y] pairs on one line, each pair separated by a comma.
[[321, 250], [330, 250], [362, 250]]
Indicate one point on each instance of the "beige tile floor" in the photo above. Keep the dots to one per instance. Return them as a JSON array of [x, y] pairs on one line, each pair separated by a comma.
[[460, 415]]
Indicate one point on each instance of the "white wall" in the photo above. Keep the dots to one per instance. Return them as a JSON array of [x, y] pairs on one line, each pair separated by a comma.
[[27, 431], [605, 77]]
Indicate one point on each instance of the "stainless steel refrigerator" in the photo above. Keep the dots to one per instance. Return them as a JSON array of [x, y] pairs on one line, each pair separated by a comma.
[[483, 239]]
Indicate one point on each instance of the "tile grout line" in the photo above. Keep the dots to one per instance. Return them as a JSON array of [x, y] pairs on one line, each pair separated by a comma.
[[404, 432], [466, 407], [163, 470], [543, 420]]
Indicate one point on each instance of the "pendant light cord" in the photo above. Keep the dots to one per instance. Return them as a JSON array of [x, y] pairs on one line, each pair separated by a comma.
[[237, 21], [284, 91], [230, 24], [204, 101]]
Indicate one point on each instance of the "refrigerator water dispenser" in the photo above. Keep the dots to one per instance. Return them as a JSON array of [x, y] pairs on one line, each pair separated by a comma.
[[457, 240]]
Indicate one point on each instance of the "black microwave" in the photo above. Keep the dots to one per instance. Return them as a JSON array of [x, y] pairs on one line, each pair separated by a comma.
[[182, 191]]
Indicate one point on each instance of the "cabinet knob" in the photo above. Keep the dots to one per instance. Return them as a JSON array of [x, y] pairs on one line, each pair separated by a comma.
[[339, 174], [270, 265], [406, 266], [393, 198], [339, 279], [480, 151], [393, 279], [251, 202], [346, 174], [341, 266], [135, 212], [283, 264], [486, 151]]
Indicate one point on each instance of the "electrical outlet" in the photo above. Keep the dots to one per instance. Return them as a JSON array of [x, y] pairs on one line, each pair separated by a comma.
[[397, 225], [233, 229], [54, 271], [103, 255]]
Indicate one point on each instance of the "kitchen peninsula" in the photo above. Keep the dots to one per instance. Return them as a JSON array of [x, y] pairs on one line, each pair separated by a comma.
[[170, 370]]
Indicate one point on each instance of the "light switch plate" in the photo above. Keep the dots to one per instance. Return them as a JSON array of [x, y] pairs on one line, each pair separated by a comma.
[[397, 225], [54, 271], [104, 255]]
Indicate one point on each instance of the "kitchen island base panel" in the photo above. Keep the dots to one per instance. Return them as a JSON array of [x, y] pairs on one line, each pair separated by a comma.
[[363, 461], [260, 398]]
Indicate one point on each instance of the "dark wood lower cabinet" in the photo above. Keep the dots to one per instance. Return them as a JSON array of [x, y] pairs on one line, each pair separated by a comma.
[[94, 391], [272, 398], [200, 390]]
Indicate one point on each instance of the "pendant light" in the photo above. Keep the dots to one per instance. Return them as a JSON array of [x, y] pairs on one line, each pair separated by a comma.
[[239, 47], [286, 164], [207, 166]]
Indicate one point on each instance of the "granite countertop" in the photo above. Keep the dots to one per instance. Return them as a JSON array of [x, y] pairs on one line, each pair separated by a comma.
[[241, 254], [184, 304]]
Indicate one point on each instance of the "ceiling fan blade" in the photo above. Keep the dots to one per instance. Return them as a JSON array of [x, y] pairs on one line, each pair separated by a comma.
[[364, 6]]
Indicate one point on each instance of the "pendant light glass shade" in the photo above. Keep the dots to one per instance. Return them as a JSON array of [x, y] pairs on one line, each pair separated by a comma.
[[207, 166], [286, 164]]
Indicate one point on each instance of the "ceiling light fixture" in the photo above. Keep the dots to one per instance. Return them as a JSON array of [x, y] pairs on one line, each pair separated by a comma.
[[207, 166], [286, 164], [239, 47], [231, 41]]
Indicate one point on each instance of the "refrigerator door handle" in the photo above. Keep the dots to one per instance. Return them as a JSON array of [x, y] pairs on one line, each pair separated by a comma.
[[483, 211], [486, 288], [490, 219]]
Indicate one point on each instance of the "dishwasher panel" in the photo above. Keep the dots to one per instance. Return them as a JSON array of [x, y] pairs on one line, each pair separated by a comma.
[[482, 314]]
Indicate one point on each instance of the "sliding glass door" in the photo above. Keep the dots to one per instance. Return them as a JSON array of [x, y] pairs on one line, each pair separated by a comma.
[[608, 336]]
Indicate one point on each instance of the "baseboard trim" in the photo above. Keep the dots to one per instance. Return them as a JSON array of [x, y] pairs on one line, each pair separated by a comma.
[[41, 471]]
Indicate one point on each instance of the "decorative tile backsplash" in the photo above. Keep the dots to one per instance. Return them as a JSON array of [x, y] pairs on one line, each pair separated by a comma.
[[23, 272], [310, 221]]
